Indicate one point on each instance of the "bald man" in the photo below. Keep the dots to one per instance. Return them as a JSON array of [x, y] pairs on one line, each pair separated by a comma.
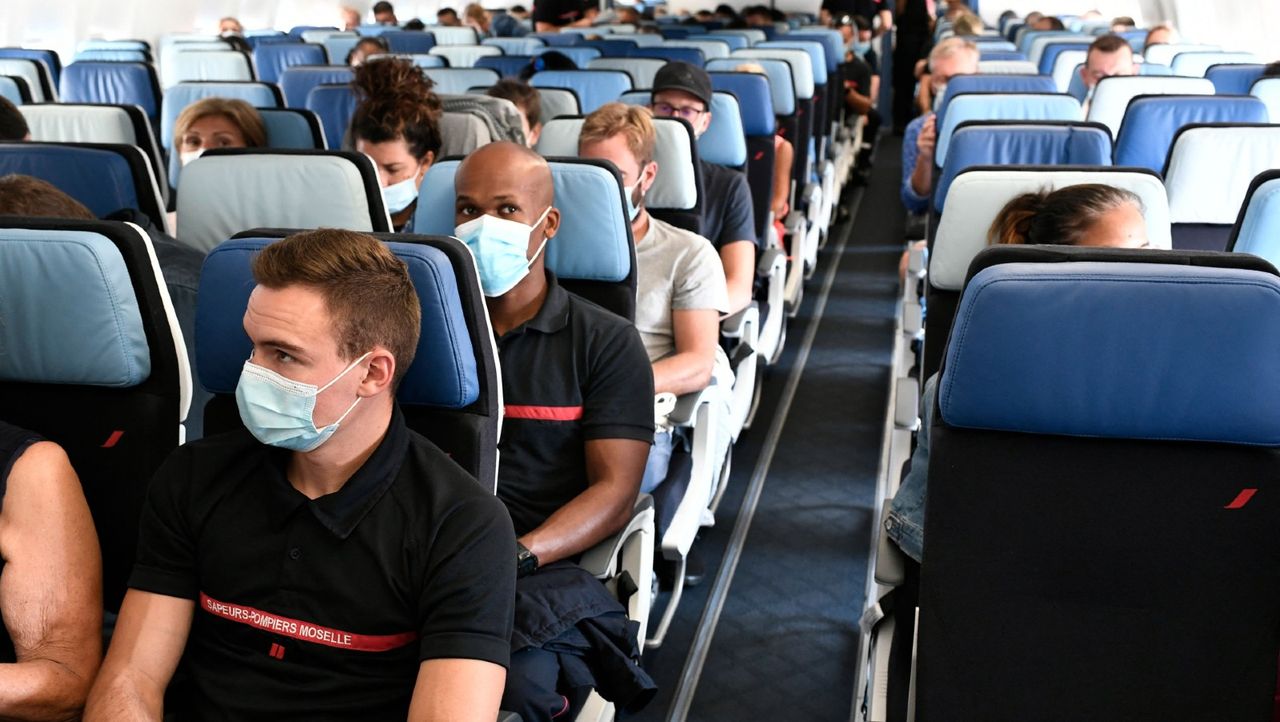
[[578, 391]]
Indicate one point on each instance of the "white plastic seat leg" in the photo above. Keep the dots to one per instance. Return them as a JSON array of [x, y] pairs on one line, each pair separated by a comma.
[[797, 227], [773, 330], [815, 223], [743, 330]]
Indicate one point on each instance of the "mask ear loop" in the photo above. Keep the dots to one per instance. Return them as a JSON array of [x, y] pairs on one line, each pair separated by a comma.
[[537, 223], [350, 408]]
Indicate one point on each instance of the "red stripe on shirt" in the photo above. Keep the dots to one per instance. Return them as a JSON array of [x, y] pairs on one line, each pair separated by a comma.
[[305, 631], [544, 413]]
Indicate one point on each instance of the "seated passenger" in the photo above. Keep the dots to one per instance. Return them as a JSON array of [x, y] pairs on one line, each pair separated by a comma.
[[397, 124], [365, 47], [13, 124], [1122, 24], [1107, 56], [681, 90], [551, 15], [350, 18], [951, 57], [579, 420], [680, 282], [1089, 214], [447, 17], [212, 123], [1048, 22], [967, 24], [527, 101], [1163, 34], [230, 26], [51, 585], [325, 561], [180, 264], [384, 13]]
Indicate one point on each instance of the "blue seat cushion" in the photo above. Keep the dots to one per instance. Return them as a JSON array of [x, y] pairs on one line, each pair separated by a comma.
[[1151, 122], [100, 179]]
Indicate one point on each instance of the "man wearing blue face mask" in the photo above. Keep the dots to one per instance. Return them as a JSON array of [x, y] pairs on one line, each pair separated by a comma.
[[578, 399], [326, 562]]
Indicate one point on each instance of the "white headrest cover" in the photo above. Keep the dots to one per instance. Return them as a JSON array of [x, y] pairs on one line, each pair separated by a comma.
[[676, 186], [79, 124], [976, 197], [1210, 170]]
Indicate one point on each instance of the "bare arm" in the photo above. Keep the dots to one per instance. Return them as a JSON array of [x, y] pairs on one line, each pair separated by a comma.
[[739, 261], [857, 102], [614, 468], [148, 642], [922, 174], [51, 589], [457, 690], [783, 158], [689, 368]]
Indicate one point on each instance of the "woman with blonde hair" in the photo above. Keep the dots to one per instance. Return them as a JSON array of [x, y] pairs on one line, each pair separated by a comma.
[[217, 123]]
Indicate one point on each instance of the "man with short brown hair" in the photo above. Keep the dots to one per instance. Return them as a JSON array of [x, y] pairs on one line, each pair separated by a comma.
[[1108, 55], [328, 562]]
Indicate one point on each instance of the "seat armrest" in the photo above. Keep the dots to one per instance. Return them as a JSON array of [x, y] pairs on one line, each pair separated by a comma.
[[735, 326], [769, 260], [505, 716], [686, 410], [602, 559], [891, 563]]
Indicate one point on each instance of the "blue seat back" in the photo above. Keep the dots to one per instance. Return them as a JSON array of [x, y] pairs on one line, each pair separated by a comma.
[[710, 48], [755, 101], [579, 54], [558, 40], [641, 70], [993, 84], [14, 90], [724, 141], [1053, 50], [297, 81], [337, 46], [610, 48], [408, 41], [1195, 63], [297, 31], [994, 143], [693, 56], [1135, 38], [999, 55], [114, 56], [48, 58], [334, 105], [593, 249], [1268, 91], [178, 97], [271, 60], [1004, 106], [1234, 78], [292, 129], [507, 66], [1258, 229], [593, 87], [733, 40], [813, 48], [1151, 122], [456, 81], [832, 44], [993, 43], [113, 83], [100, 179], [778, 78]]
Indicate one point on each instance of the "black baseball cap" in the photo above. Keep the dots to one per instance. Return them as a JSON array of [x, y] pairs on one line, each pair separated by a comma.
[[677, 75]]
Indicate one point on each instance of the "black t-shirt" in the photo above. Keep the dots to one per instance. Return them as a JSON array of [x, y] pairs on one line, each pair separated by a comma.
[[558, 12], [728, 214], [857, 75], [572, 373], [323, 609]]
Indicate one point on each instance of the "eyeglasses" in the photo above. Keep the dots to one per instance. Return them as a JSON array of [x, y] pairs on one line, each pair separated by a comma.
[[668, 110]]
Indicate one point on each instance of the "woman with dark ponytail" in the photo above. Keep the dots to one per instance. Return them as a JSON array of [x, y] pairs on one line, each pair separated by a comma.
[[397, 124], [1089, 214]]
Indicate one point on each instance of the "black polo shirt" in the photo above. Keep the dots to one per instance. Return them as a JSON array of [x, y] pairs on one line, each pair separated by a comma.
[[572, 373], [323, 609], [728, 213], [558, 12]]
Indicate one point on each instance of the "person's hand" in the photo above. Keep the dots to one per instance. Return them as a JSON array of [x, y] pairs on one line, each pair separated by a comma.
[[928, 138]]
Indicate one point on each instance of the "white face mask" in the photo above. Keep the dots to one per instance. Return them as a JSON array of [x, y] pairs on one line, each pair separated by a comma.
[[939, 92], [187, 156]]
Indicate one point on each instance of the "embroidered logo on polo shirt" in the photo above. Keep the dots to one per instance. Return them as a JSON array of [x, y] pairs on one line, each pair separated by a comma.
[[302, 630], [543, 413]]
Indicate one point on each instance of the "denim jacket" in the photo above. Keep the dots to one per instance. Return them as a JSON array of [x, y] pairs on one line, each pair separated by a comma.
[[905, 522]]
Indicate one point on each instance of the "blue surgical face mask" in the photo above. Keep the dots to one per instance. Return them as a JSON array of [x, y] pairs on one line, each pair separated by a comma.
[[398, 196], [499, 246], [278, 411], [861, 48], [633, 208]]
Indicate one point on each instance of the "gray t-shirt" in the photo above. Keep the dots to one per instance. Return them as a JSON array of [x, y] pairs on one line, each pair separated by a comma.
[[677, 271]]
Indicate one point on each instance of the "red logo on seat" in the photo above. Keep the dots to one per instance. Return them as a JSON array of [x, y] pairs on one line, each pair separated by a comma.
[[1241, 499], [113, 439]]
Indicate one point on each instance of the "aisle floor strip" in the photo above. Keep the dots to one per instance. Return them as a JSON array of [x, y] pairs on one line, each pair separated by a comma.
[[701, 645]]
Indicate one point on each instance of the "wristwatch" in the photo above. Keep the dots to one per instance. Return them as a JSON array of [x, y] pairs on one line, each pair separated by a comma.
[[526, 561]]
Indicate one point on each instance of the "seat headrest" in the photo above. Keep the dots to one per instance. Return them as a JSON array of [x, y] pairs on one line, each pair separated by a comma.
[[443, 372], [1194, 64], [1005, 66], [1164, 53], [334, 105], [778, 78], [1234, 79], [80, 123], [1151, 122], [710, 49], [813, 48], [724, 142], [28, 70], [798, 62], [1210, 169], [1111, 96], [993, 84], [465, 56], [211, 65], [292, 129], [998, 143], [298, 80], [1004, 106], [594, 241], [100, 179], [1258, 229], [178, 97], [272, 58], [976, 196], [516, 46], [70, 313], [641, 70], [754, 100], [1116, 350], [676, 187], [14, 90], [225, 191], [593, 87], [97, 82], [456, 81], [1049, 57], [832, 44], [735, 42]]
